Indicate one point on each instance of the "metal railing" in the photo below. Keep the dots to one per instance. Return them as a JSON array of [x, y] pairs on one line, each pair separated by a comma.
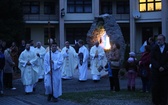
[[40, 17]]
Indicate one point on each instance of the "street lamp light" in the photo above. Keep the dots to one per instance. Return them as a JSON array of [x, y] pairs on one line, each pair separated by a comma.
[[62, 12]]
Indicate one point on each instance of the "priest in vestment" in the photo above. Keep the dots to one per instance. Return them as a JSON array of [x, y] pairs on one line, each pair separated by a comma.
[[70, 61], [52, 78], [28, 67], [98, 61], [40, 52], [83, 61]]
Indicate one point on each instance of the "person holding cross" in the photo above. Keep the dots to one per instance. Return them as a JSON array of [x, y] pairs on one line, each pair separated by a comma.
[[53, 62]]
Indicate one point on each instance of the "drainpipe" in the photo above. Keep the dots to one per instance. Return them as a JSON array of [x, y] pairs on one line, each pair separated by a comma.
[[61, 23], [96, 7], [132, 26], [164, 21]]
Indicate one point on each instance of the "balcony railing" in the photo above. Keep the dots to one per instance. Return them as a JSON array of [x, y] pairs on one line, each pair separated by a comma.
[[121, 16], [40, 17]]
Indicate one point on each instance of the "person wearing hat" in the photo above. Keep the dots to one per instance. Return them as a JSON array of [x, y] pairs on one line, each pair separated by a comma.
[[132, 54], [131, 68]]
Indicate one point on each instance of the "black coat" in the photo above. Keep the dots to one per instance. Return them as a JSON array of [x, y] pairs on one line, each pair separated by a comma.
[[158, 60], [2, 60]]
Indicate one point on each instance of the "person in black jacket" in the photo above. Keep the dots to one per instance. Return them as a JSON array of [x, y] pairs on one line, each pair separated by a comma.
[[2, 64], [159, 61]]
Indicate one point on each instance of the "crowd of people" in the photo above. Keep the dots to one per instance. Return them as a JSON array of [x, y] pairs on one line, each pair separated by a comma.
[[152, 67], [53, 64]]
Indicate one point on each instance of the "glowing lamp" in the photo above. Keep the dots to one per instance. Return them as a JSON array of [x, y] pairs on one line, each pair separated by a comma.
[[107, 43]]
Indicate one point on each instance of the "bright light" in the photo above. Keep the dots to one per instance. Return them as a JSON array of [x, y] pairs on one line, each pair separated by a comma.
[[105, 44]]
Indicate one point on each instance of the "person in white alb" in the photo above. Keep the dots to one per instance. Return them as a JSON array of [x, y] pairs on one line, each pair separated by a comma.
[[40, 52], [29, 70], [53, 62], [83, 61], [70, 61], [98, 61]]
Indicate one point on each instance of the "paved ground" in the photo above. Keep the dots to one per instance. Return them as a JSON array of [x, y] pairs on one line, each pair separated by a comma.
[[18, 96]]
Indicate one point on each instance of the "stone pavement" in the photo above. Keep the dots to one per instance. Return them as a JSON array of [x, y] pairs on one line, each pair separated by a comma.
[[18, 97]]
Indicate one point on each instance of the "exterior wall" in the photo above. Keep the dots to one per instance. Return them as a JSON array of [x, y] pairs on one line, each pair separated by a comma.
[[78, 17], [138, 35], [147, 19], [61, 24], [165, 18], [37, 33], [150, 17], [42, 17]]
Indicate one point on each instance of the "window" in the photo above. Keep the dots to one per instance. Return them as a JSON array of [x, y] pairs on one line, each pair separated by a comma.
[[79, 6], [31, 7], [146, 33], [46, 34], [150, 5], [49, 7], [123, 7], [106, 7], [73, 34]]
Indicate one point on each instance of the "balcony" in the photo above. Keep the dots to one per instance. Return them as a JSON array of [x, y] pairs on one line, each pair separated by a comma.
[[40, 17], [121, 17]]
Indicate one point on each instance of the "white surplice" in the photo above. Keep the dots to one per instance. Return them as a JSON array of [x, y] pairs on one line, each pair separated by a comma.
[[40, 60], [70, 62], [83, 69], [32, 48], [96, 62], [29, 73], [55, 86]]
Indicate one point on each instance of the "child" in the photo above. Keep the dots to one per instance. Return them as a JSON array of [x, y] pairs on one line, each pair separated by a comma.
[[131, 67]]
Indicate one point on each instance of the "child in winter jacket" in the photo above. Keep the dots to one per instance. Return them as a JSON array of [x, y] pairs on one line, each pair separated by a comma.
[[131, 68]]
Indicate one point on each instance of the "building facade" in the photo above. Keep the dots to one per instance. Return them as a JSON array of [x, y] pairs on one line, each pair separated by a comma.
[[71, 19]]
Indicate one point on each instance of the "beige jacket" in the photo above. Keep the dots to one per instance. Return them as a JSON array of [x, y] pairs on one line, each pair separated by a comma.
[[114, 55]]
